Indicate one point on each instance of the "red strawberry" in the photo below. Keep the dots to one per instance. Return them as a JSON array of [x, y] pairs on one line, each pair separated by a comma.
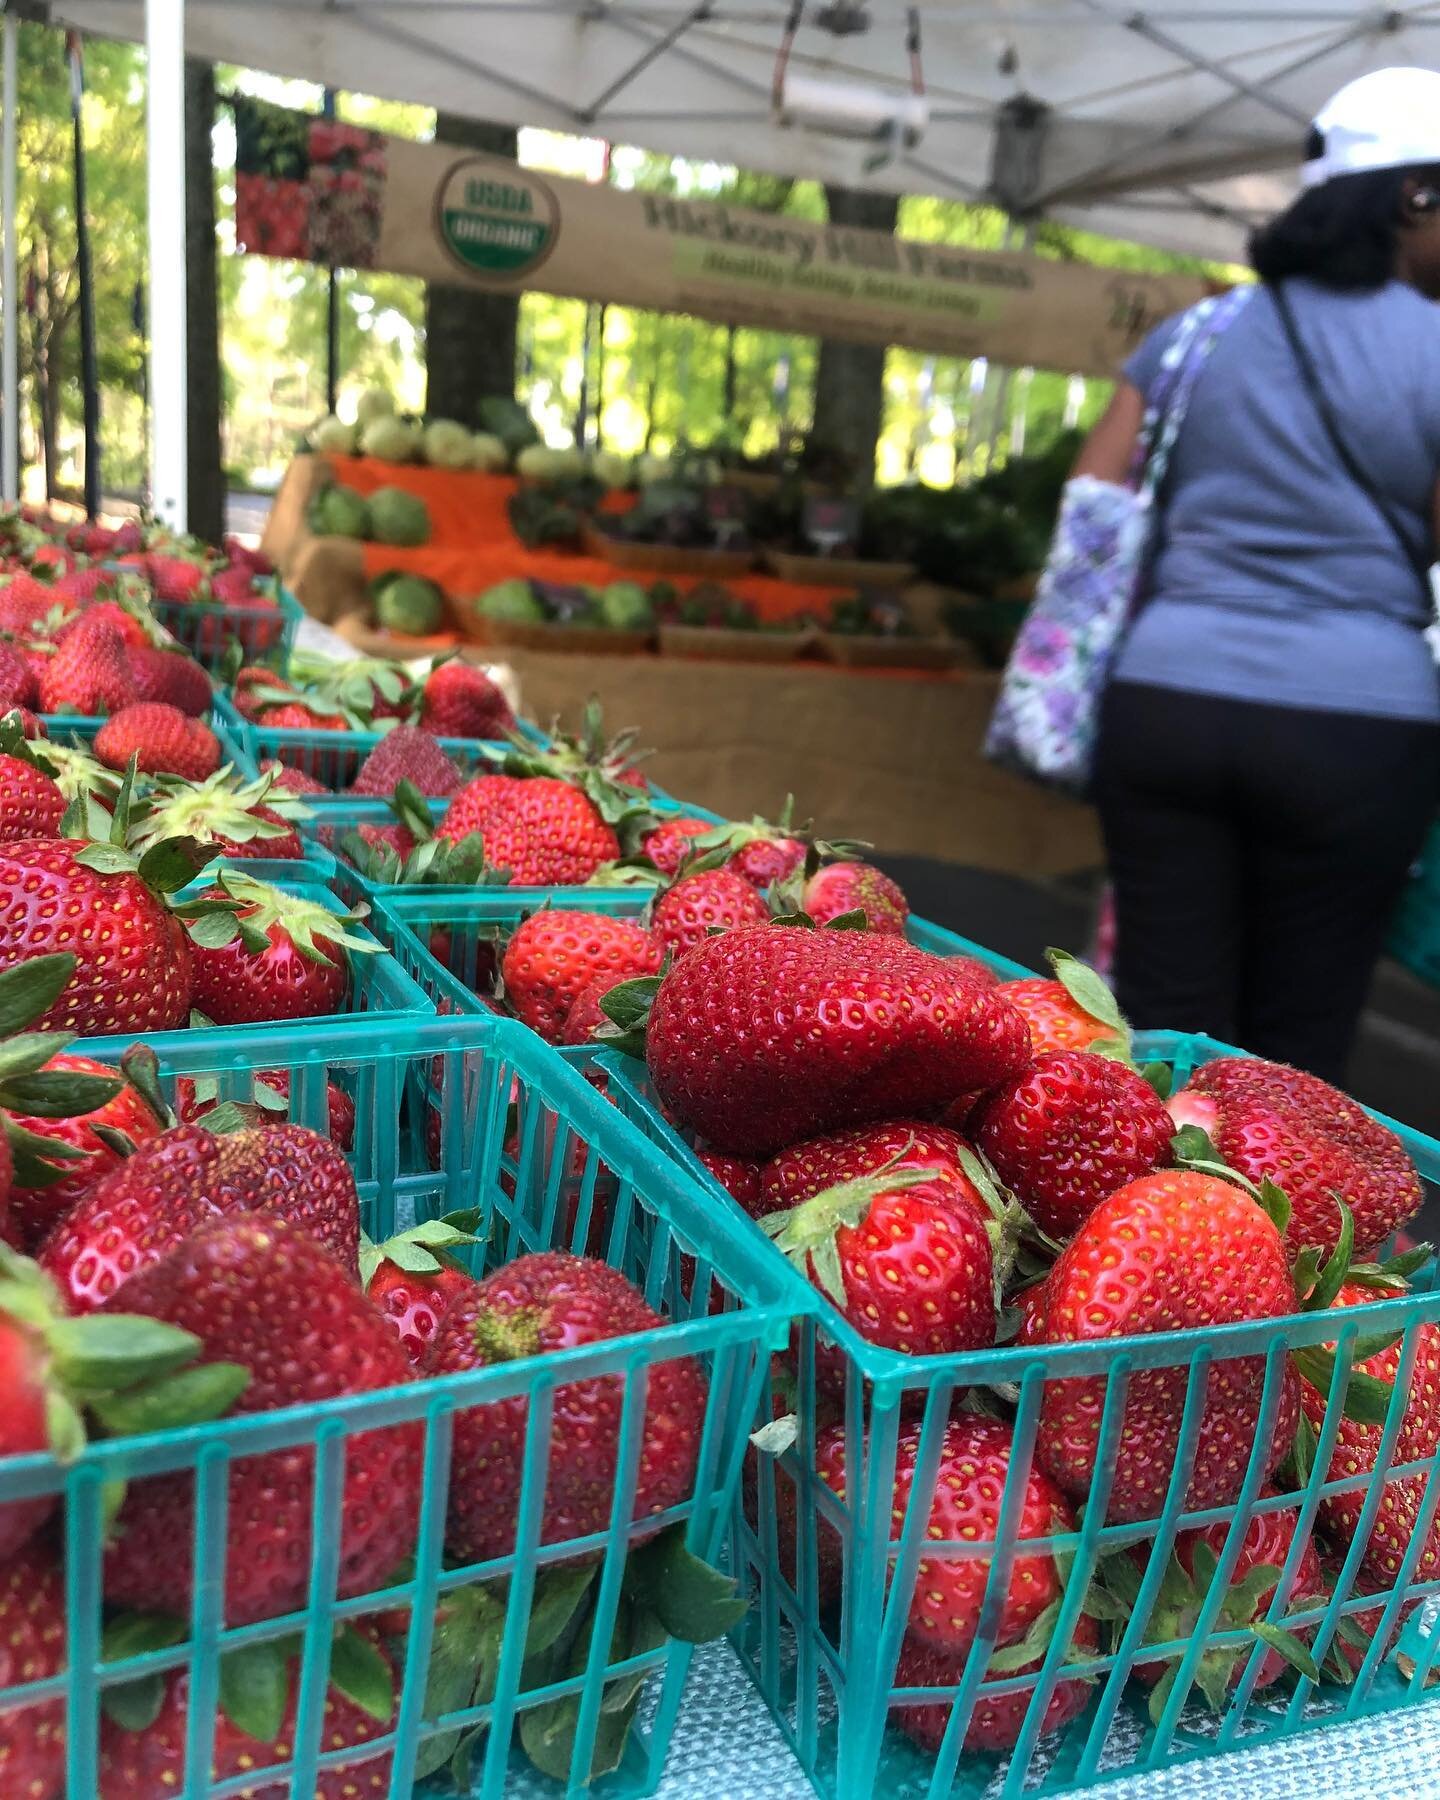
[[698, 906], [535, 1305], [462, 701], [762, 861], [261, 1294], [398, 838], [998, 1719], [739, 1177], [31, 806], [413, 1281], [298, 715], [545, 832], [1170, 1252], [1253, 1581], [34, 1210], [905, 1256], [133, 971], [82, 586], [140, 1765], [1311, 1140], [89, 672], [844, 887], [976, 970], [235, 587], [18, 686], [25, 603], [30, 727], [587, 1015], [1071, 1131], [670, 843], [225, 810], [32, 1648], [1056, 1021], [554, 954], [24, 1428], [141, 1210], [162, 739], [1030, 1304], [771, 1033], [406, 753], [809, 1168], [172, 677], [964, 1506], [195, 1099], [294, 781], [1357, 1452], [174, 577], [289, 958], [473, 807], [253, 681]]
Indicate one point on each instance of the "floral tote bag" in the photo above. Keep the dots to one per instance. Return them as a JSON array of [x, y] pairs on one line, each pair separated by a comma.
[[1047, 716]]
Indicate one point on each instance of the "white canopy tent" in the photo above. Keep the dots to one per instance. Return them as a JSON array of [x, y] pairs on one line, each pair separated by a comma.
[[1176, 125]]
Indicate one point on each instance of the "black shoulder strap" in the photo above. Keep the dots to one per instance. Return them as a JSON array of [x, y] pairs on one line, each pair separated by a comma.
[[1417, 560]]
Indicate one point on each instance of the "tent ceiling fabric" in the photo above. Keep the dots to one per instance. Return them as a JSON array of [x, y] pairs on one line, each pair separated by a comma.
[[1177, 124]]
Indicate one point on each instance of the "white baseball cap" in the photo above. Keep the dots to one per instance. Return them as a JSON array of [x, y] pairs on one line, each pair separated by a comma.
[[1389, 119]]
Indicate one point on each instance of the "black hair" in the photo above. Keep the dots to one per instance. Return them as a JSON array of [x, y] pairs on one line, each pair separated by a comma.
[[1344, 233]]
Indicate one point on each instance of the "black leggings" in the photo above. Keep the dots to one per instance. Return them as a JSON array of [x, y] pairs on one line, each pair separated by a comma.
[[1256, 853]]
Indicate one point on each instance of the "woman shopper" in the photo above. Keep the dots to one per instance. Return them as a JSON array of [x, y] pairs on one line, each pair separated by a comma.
[[1269, 751]]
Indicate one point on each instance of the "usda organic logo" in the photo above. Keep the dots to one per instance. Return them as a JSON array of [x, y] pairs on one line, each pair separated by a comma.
[[496, 219]]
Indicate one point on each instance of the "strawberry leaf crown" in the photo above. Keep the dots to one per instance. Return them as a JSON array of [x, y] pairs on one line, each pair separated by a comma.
[[1091, 993], [131, 1373], [350, 691], [13, 742], [248, 909], [434, 862], [424, 1249], [73, 769], [225, 805], [28, 1086]]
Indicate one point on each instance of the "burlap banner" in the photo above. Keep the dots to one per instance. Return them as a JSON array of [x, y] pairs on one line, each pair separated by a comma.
[[331, 193]]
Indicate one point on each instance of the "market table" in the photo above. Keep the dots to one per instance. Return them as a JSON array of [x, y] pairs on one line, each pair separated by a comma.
[[726, 1743], [891, 757]]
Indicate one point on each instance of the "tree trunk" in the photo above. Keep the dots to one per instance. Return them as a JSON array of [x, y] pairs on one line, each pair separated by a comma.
[[850, 378], [732, 372], [205, 484], [469, 336]]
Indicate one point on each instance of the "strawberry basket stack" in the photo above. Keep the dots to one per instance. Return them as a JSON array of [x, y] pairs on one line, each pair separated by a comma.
[[1175, 1495], [390, 1571]]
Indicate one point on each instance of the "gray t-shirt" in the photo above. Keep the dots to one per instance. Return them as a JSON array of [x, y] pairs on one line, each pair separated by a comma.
[[1275, 578]]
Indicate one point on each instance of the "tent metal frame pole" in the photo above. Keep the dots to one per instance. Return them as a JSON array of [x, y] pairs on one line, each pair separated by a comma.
[[85, 276], [165, 152], [9, 270], [1078, 188]]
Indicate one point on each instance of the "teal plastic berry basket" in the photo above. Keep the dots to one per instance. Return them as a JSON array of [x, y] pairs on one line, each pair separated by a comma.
[[832, 1580], [450, 940], [380, 989], [514, 1130], [207, 628], [334, 757]]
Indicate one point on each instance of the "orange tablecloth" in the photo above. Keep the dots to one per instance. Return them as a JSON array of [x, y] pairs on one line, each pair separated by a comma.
[[472, 546]]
